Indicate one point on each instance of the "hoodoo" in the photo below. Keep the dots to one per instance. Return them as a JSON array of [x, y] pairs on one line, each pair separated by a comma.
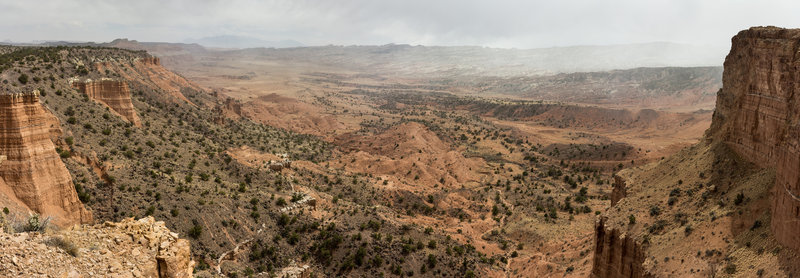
[[34, 175]]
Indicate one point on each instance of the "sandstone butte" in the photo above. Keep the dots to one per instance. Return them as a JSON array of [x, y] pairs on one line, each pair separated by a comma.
[[33, 176], [758, 117], [114, 94]]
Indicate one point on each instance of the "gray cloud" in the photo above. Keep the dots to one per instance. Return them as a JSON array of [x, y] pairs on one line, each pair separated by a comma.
[[496, 23]]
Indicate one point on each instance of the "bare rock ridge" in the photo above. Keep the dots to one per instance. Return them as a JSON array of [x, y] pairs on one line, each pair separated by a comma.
[[114, 94], [758, 116], [34, 176], [130, 248]]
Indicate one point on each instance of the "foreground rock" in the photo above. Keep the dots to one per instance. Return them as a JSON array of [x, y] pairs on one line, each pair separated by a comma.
[[131, 248]]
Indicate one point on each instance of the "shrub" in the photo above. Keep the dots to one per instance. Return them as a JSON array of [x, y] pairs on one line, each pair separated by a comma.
[[432, 244], [196, 230], [655, 211], [657, 227], [431, 261], [63, 244], [688, 230], [23, 79], [730, 268], [756, 225], [34, 224], [739, 199]]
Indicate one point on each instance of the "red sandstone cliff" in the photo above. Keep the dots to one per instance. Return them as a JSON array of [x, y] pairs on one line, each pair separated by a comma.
[[114, 94], [616, 254], [34, 175], [758, 115]]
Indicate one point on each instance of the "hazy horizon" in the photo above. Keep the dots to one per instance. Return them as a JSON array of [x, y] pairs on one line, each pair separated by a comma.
[[496, 24]]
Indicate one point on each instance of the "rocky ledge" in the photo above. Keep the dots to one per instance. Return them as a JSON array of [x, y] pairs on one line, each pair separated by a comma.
[[130, 248]]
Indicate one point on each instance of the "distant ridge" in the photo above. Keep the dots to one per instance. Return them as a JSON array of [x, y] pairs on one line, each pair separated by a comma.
[[231, 41], [412, 60]]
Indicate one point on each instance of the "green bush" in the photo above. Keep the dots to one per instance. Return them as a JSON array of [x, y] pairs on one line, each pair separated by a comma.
[[196, 230]]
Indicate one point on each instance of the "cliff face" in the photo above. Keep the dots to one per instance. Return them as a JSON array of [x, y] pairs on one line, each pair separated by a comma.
[[616, 254], [114, 94], [758, 115], [710, 196], [34, 175]]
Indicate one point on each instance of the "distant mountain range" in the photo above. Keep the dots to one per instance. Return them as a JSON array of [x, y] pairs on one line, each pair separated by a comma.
[[439, 60], [231, 41]]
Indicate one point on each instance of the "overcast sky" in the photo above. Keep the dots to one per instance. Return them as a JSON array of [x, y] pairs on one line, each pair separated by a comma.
[[494, 23]]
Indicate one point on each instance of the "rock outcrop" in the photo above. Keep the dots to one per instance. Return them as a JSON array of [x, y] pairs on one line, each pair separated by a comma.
[[33, 174], [114, 94], [130, 248], [758, 115], [229, 108], [616, 254], [620, 189]]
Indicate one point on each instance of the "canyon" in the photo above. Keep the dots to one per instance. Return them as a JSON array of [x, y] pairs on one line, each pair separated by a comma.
[[269, 161]]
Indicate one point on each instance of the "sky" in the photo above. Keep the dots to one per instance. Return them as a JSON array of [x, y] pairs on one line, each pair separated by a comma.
[[491, 23]]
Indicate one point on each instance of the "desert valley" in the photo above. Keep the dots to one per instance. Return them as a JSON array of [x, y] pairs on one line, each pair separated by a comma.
[[156, 159]]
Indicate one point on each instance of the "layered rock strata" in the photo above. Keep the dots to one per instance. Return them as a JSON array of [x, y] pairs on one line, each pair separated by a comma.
[[114, 94], [758, 116], [616, 254], [33, 174]]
